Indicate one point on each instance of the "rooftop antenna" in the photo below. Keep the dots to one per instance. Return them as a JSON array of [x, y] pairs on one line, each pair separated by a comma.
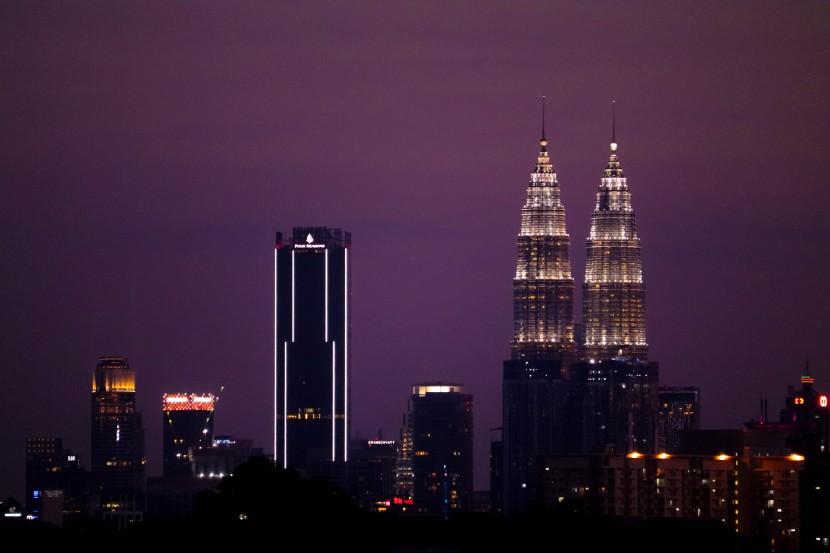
[[543, 118]]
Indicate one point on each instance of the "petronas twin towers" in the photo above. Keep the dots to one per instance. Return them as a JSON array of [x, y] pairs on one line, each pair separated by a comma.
[[569, 391], [613, 294]]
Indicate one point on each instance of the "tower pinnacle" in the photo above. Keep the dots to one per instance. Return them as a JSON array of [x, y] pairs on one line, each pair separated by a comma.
[[614, 294], [543, 285]]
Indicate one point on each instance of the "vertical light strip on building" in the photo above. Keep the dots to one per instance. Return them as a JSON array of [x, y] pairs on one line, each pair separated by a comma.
[[276, 360], [346, 354], [326, 323], [285, 405], [293, 263], [333, 400]]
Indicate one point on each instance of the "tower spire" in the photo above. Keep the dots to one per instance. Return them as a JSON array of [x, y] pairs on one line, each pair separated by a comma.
[[613, 298], [543, 284], [613, 170]]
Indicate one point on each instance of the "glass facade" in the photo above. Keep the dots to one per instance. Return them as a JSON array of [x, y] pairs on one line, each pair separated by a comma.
[[117, 435], [311, 347], [441, 419]]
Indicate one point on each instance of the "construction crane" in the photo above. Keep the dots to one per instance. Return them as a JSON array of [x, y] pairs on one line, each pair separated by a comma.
[[212, 412]]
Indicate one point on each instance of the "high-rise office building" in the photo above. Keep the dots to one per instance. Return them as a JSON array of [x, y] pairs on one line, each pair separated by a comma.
[[496, 470], [441, 418], [678, 411], [403, 463], [311, 347], [55, 481], [543, 288], [188, 424], [614, 407], [372, 465], [117, 431], [543, 344], [533, 401], [47, 465], [117, 442], [613, 297]]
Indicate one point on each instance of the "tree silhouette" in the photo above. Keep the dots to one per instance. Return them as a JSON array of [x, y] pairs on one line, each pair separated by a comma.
[[262, 496]]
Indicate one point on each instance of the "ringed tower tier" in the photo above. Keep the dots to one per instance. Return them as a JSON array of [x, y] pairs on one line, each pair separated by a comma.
[[614, 296], [543, 287]]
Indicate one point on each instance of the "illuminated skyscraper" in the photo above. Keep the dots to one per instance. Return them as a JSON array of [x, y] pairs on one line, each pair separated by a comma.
[[311, 347], [118, 460], [441, 418], [543, 288], [403, 466], [117, 433], [613, 298], [188, 425], [543, 346]]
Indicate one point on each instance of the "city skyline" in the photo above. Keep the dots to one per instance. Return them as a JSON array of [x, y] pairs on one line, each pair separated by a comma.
[[152, 150]]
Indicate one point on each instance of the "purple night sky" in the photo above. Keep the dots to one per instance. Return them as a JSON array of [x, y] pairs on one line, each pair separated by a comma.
[[150, 150]]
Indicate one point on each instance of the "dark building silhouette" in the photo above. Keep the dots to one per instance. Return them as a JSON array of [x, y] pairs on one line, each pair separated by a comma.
[[174, 496], [223, 456], [678, 410], [371, 473], [311, 348], [807, 418], [496, 470], [117, 442], [783, 471], [57, 486], [533, 397], [441, 418], [614, 403], [543, 345], [47, 466], [188, 425], [754, 496], [806, 410]]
